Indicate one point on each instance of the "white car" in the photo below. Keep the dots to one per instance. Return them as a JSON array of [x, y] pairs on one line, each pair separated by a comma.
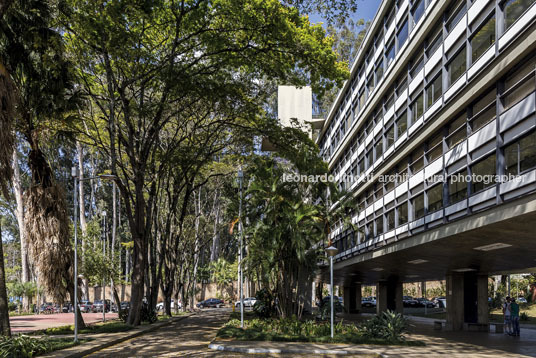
[[160, 305], [248, 302]]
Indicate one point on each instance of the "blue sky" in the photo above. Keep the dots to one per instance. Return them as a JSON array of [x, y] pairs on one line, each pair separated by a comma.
[[366, 9]]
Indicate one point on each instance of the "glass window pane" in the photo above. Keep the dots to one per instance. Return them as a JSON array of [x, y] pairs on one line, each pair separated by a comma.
[[456, 67], [433, 91], [513, 9], [417, 109], [402, 213], [379, 226], [483, 39], [519, 84], [457, 187], [418, 206], [483, 174], [379, 148], [390, 136], [527, 152], [402, 35], [390, 220], [390, 54], [511, 158], [435, 198], [401, 124], [455, 15], [418, 11], [379, 71]]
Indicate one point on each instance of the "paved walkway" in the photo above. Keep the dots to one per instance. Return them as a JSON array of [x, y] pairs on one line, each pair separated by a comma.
[[189, 337], [30, 323]]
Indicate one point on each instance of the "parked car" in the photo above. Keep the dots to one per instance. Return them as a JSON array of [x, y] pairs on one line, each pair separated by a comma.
[[98, 305], [248, 302], [85, 306], [211, 302], [368, 301], [441, 302], [67, 307], [125, 305], [47, 307], [409, 301], [521, 300], [423, 302], [160, 305]]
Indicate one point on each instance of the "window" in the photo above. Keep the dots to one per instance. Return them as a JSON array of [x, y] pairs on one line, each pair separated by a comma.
[[435, 147], [390, 53], [402, 211], [457, 187], [435, 198], [418, 206], [483, 174], [402, 34], [370, 84], [456, 14], [519, 84], [417, 65], [401, 124], [379, 147], [418, 160], [401, 85], [379, 226], [361, 99], [434, 41], [483, 39], [456, 67], [520, 156], [368, 159], [417, 11], [433, 91], [417, 108], [370, 232], [379, 71], [457, 131], [389, 182], [483, 111], [390, 99], [513, 9], [390, 220], [390, 135]]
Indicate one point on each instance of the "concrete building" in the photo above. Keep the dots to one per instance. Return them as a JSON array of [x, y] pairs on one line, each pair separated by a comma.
[[439, 91]]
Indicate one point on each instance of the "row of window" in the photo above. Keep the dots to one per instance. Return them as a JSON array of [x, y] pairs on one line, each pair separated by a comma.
[[483, 36], [517, 157]]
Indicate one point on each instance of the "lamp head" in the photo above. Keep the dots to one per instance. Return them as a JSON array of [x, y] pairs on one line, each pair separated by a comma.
[[331, 251]]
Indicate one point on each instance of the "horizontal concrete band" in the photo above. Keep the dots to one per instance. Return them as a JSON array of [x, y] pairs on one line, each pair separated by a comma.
[[305, 350]]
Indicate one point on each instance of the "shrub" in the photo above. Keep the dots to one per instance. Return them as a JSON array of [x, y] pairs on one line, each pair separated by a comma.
[[22, 346], [524, 316], [390, 326], [148, 314], [264, 305]]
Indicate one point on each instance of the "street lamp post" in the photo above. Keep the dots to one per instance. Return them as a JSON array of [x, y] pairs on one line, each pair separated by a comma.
[[241, 273], [74, 174], [104, 278], [331, 251]]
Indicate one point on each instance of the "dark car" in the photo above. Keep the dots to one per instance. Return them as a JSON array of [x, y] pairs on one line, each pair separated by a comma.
[[125, 305], [85, 306], [66, 308], [368, 302], [97, 306], [211, 302], [423, 302], [409, 301]]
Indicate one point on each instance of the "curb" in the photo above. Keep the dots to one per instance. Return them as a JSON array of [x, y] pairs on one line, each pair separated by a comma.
[[220, 347], [80, 351]]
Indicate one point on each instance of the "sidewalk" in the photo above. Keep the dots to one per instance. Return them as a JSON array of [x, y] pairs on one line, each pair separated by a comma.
[[103, 340]]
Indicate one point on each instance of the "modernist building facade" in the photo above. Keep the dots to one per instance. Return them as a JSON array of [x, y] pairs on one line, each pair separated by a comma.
[[434, 135]]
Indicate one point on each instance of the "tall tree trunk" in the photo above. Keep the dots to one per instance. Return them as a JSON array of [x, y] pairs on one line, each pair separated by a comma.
[[5, 330], [83, 224], [214, 253], [19, 213]]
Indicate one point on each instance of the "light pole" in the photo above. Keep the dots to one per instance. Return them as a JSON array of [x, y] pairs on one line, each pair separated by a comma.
[[74, 174], [241, 274], [104, 278], [331, 251]]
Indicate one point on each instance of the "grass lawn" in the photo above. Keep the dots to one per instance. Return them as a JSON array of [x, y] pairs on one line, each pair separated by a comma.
[[62, 343], [106, 327]]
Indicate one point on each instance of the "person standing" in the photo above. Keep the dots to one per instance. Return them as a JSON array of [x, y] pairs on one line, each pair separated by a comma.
[[514, 317], [507, 316]]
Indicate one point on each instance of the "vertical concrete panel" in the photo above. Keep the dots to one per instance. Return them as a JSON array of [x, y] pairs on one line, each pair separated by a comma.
[[381, 297], [483, 316], [455, 312], [399, 297]]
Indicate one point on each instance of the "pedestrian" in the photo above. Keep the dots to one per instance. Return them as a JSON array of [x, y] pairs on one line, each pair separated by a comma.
[[514, 317], [507, 316]]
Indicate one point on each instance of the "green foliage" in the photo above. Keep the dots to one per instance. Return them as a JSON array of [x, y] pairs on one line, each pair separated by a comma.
[[524, 316], [148, 314], [108, 327], [325, 309], [23, 346], [264, 306], [293, 330], [389, 326]]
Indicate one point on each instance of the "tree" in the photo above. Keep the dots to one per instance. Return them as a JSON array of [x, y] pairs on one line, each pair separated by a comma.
[[150, 67]]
